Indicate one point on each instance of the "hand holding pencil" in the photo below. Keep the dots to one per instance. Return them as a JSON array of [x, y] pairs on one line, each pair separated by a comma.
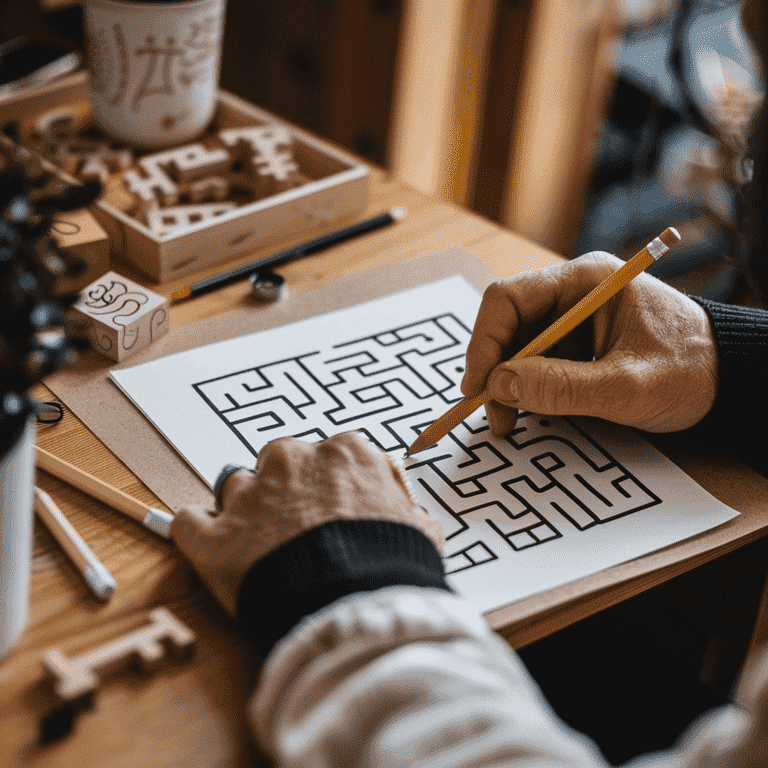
[[646, 358]]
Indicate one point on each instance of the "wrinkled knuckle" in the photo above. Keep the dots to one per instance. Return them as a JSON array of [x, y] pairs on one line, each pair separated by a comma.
[[280, 453], [548, 276], [642, 394], [623, 385], [601, 258], [236, 486], [360, 449]]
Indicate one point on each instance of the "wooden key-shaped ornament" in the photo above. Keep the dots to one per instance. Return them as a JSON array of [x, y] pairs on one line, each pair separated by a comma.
[[76, 679], [70, 684]]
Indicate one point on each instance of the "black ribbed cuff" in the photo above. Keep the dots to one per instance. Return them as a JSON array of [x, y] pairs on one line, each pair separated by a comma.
[[327, 563], [741, 336]]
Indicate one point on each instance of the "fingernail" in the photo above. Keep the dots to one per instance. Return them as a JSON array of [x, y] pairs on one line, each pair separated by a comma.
[[504, 387]]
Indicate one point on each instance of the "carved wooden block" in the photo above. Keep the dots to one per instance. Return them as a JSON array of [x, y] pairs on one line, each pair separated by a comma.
[[123, 316], [268, 150], [76, 678], [73, 681], [163, 176], [190, 162], [209, 188], [79, 234], [153, 184], [177, 218], [116, 194], [91, 159]]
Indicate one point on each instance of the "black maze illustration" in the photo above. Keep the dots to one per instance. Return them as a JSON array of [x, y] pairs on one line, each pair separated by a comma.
[[546, 478], [385, 385], [493, 498]]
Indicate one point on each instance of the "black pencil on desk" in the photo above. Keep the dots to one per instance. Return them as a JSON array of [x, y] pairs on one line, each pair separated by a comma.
[[289, 254]]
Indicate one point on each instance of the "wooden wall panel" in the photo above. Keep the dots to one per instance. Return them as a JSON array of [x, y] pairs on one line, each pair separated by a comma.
[[567, 81], [326, 65]]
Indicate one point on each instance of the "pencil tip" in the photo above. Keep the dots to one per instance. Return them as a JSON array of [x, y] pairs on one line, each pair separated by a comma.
[[398, 213]]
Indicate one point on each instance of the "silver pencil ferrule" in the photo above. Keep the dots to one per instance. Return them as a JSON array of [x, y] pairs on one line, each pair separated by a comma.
[[656, 248]]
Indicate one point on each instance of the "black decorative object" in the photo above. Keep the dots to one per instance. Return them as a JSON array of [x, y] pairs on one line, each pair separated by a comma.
[[34, 330]]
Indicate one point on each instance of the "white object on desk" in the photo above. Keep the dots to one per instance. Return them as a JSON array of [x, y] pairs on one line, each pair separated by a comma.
[[95, 573], [17, 481], [154, 68]]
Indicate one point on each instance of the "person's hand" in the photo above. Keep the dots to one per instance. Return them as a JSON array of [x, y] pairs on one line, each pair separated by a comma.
[[646, 358], [295, 486]]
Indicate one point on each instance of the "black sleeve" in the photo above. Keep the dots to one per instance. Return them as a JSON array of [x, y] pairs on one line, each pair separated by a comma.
[[739, 415], [327, 563]]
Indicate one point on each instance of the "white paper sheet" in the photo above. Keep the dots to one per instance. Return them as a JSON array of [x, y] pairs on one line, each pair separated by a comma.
[[556, 500]]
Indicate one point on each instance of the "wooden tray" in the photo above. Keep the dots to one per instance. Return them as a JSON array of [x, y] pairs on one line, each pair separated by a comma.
[[338, 188]]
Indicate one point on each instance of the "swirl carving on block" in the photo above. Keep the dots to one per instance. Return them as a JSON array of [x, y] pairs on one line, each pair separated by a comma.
[[156, 321], [115, 299], [102, 339], [131, 333]]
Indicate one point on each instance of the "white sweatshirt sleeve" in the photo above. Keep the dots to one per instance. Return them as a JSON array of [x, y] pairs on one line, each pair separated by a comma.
[[408, 676]]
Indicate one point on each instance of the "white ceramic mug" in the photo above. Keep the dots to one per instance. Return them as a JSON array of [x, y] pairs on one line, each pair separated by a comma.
[[154, 68], [17, 481]]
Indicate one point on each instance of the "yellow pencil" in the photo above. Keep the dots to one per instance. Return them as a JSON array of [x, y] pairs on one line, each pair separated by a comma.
[[157, 520], [564, 324]]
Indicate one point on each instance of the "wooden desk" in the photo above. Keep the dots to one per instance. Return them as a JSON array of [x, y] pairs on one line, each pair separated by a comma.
[[192, 714]]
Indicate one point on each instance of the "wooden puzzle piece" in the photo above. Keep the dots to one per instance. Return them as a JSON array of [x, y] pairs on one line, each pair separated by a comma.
[[116, 194], [76, 678], [190, 162], [163, 177], [153, 184], [268, 150], [209, 188], [73, 681], [167, 221], [124, 316], [91, 158]]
